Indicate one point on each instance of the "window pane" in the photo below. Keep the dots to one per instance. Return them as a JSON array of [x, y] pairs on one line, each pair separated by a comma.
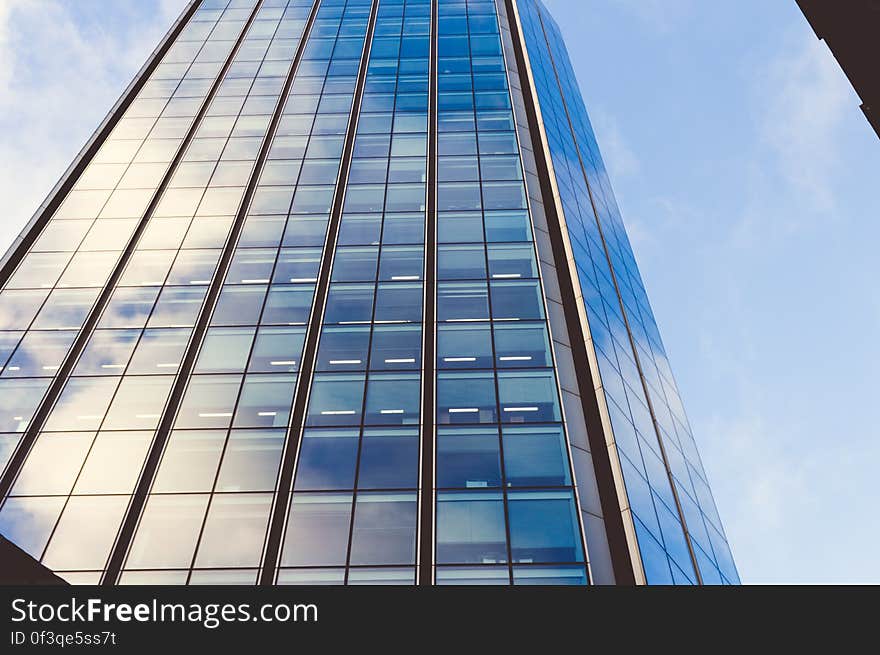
[[159, 351], [470, 528], [38, 270], [239, 305], [462, 262], [543, 527], [297, 265], [473, 575], [464, 346], [190, 461], [401, 263], [311, 577], [107, 352], [114, 463], [72, 547], [277, 350], [389, 459], [138, 403], [524, 344], [225, 350], [549, 575], [392, 398], [462, 301], [28, 522], [129, 308], [251, 266], [177, 307], [535, 456], [528, 396], [384, 529], [288, 305], [18, 402], [465, 397], [468, 457], [234, 530], [397, 301], [382, 576], [82, 404], [355, 264], [336, 400], [168, 531], [317, 530], [53, 464], [343, 348], [39, 354], [512, 261], [65, 308], [208, 401], [327, 459], [265, 401], [18, 308], [517, 300], [349, 303], [396, 347], [251, 459]]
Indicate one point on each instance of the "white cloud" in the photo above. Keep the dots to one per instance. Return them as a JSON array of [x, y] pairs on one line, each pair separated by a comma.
[[62, 66], [662, 15], [618, 156], [803, 97]]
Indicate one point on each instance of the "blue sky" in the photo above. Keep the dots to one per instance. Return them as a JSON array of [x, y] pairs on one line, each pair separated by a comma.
[[746, 174]]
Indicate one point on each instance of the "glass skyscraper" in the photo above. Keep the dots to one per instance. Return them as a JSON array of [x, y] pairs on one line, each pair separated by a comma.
[[338, 293]]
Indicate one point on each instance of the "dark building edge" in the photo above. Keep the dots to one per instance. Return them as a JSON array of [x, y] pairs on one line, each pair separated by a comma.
[[621, 559], [19, 568], [851, 29], [69, 178]]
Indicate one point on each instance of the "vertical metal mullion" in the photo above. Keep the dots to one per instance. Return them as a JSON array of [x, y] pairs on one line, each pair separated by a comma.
[[540, 277], [368, 364], [623, 312], [283, 494], [66, 368], [427, 447], [184, 373], [491, 323]]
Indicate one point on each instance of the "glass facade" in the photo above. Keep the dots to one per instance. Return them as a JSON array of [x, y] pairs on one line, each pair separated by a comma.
[[293, 322]]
